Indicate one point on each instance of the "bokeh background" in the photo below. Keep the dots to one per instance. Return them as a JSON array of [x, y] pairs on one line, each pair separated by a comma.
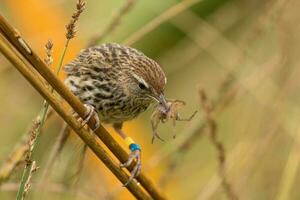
[[242, 53]]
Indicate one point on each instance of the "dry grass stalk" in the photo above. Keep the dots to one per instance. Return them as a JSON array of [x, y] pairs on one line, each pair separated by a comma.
[[48, 47], [31, 57], [70, 33], [113, 24], [53, 188], [165, 16], [18, 155], [38, 123], [27, 173], [14, 159], [212, 132], [34, 135], [71, 26], [27, 148], [33, 168]]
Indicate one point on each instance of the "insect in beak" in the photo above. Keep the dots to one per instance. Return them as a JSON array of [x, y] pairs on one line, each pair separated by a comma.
[[162, 101]]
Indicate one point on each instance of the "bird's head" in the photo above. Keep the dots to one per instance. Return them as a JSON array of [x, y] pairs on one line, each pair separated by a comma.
[[141, 77], [147, 80]]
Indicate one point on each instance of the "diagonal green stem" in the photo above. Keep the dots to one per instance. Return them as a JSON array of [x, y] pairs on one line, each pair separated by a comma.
[[41, 119], [62, 57]]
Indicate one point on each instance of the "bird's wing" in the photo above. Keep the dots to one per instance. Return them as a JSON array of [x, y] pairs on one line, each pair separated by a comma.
[[88, 60]]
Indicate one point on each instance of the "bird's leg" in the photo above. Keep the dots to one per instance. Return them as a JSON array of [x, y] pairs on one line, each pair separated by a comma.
[[90, 112], [135, 153], [155, 119], [174, 124], [178, 118]]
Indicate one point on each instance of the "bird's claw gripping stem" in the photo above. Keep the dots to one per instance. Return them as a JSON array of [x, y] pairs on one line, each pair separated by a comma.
[[90, 112], [135, 154]]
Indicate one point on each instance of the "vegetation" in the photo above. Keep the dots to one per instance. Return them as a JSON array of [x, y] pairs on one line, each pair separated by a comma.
[[235, 62]]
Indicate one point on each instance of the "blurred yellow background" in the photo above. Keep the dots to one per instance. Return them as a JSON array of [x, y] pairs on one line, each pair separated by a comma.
[[252, 45]]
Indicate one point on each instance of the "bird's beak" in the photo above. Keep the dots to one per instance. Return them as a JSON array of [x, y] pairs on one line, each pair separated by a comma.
[[162, 101]]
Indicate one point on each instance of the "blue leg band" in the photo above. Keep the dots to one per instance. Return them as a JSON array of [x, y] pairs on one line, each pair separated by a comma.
[[134, 147]]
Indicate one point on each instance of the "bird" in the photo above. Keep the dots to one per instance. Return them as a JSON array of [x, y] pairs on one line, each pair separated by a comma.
[[116, 83]]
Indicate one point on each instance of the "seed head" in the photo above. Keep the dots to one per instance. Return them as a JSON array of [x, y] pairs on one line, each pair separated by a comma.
[[48, 46], [71, 26]]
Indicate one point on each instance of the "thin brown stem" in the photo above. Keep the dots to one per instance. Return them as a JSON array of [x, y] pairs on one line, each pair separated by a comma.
[[17, 156], [218, 145]]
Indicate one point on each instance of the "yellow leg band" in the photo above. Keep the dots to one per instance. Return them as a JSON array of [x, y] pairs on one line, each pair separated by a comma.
[[129, 141]]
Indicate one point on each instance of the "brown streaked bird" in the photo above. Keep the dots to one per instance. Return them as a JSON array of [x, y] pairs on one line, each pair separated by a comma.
[[119, 83]]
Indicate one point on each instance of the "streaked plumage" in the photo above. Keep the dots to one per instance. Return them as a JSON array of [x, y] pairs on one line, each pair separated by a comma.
[[120, 82]]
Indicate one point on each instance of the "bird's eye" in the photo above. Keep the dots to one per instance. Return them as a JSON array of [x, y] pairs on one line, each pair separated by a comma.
[[142, 86]]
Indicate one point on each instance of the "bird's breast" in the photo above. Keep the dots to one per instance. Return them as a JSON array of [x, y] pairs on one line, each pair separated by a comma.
[[120, 110], [111, 101]]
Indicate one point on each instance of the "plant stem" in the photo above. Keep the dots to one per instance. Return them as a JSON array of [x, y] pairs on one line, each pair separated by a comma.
[[62, 57], [28, 166], [42, 117], [25, 68], [35, 62]]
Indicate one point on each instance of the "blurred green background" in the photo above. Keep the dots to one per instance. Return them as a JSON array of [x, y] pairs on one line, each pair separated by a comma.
[[243, 53]]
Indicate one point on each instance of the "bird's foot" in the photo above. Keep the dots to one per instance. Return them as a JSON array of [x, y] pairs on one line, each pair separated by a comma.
[[90, 112], [134, 155]]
